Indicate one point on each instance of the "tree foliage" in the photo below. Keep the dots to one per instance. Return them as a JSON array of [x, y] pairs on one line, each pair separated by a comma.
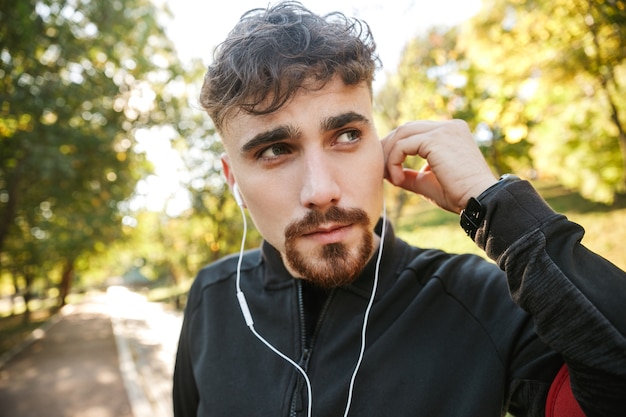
[[215, 219], [542, 83], [573, 53], [173, 247], [77, 80]]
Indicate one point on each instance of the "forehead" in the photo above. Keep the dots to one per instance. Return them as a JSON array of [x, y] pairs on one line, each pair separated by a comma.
[[308, 109]]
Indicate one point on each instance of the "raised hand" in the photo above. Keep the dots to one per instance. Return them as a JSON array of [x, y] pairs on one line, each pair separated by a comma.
[[454, 169]]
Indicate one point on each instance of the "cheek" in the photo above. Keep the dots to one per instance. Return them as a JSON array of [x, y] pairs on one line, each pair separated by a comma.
[[269, 209], [364, 185], [367, 173], [375, 175]]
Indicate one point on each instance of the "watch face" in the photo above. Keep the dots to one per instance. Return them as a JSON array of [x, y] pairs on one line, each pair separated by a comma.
[[472, 217]]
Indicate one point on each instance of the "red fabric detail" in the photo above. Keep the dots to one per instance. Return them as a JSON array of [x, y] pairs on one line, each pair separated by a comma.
[[561, 401]]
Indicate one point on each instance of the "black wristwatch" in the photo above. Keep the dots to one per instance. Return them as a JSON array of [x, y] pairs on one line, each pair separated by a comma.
[[474, 214]]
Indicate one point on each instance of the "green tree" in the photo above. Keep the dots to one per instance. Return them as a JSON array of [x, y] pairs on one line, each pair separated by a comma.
[[176, 245], [573, 53], [214, 216], [77, 80]]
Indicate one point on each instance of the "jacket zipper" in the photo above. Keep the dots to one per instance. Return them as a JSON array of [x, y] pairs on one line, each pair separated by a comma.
[[298, 393], [296, 399]]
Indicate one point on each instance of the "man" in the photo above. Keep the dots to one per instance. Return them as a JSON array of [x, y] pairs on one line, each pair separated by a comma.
[[333, 315]]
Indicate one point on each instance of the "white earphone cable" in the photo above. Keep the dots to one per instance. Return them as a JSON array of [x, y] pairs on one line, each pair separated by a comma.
[[248, 316], [368, 309]]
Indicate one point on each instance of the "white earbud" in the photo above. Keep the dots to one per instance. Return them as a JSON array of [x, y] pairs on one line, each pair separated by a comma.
[[237, 195]]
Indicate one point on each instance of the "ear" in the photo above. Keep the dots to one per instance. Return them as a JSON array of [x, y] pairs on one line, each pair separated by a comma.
[[228, 173], [230, 179]]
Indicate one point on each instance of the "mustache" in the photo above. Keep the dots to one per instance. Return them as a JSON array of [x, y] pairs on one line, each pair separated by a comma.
[[314, 219]]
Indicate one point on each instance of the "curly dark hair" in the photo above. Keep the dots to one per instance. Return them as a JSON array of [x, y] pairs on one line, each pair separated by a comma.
[[272, 53]]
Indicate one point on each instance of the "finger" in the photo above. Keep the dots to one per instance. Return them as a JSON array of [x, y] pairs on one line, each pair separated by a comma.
[[424, 183], [396, 154], [388, 142], [408, 130], [404, 179], [427, 184], [395, 171]]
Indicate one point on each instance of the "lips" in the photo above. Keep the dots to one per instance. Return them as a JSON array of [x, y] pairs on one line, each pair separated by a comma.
[[325, 229], [331, 226], [328, 234]]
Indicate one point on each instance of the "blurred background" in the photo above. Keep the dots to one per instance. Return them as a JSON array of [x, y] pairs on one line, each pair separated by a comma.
[[110, 172]]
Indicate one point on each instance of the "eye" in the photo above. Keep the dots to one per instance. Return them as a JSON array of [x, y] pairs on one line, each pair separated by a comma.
[[349, 136], [274, 151]]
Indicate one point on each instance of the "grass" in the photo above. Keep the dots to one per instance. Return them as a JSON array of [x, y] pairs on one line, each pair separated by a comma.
[[430, 227], [14, 331]]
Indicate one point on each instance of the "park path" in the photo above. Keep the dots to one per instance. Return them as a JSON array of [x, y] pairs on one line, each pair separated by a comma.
[[110, 356]]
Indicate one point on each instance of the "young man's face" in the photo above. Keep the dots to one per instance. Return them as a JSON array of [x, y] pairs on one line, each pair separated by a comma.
[[311, 176]]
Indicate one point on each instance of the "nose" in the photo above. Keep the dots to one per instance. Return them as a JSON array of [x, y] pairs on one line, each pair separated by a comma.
[[320, 188]]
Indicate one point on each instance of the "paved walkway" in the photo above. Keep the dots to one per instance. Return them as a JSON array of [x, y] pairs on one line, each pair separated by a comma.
[[111, 356]]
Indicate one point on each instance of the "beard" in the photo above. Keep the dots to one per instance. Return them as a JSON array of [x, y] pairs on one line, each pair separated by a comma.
[[335, 264]]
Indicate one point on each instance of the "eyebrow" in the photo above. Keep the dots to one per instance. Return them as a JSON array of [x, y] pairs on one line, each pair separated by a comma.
[[284, 132], [339, 121], [269, 137]]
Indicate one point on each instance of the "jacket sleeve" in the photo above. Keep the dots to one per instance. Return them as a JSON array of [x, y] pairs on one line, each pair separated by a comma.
[[575, 297]]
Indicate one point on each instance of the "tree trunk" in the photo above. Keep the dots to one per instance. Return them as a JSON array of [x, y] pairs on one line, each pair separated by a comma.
[[66, 281], [621, 135], [28, 278], [605, 80], [8, 215], [16, 292], [400, 203]]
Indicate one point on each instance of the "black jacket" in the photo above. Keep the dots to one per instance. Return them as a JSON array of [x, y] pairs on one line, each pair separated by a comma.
[[445, 337]]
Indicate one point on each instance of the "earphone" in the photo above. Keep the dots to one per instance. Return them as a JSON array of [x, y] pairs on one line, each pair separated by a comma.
[[237, 194], [245, 310]]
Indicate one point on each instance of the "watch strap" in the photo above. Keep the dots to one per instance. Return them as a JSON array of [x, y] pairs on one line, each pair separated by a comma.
[[473, 215]]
